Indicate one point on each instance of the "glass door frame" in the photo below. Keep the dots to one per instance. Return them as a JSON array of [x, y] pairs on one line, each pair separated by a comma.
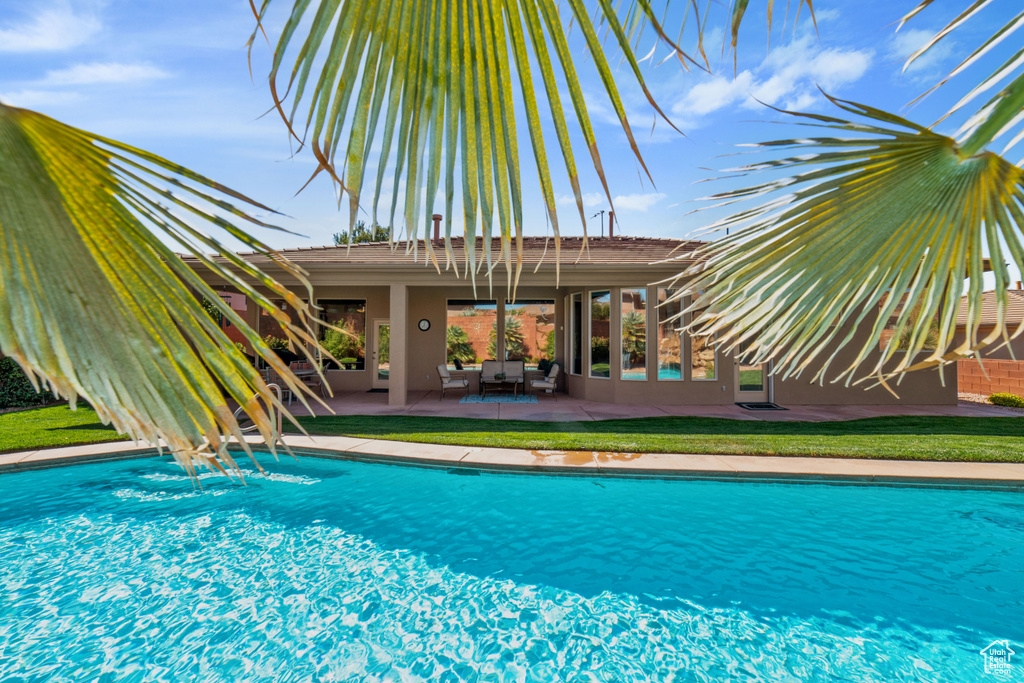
[[376, 381], [764, 395]]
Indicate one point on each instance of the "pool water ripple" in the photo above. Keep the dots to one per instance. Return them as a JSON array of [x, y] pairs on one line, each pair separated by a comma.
[[340, 571]]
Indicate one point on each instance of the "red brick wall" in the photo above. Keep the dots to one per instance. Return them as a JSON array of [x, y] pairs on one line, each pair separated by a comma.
[[1004, 376]]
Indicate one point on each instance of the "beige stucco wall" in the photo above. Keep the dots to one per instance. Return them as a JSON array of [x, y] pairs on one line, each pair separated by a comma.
[[427, 349]]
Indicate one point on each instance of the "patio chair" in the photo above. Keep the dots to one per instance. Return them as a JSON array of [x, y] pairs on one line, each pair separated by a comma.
[[515, 371], [271, 377], [547, 383], [447, 382], [307, 373]]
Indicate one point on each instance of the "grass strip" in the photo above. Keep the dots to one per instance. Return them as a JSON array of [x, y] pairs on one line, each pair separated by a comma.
[[975, 439], [53, 426]]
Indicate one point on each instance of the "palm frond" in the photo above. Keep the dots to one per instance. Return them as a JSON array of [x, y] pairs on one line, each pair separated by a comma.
[[882, 229], [1003, 112], [439, 75], [95, 305]]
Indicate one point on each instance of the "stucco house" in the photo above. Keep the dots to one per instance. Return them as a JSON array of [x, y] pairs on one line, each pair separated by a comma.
[[600, 319]]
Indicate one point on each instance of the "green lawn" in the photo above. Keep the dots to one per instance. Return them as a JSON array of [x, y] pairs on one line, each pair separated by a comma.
[[980, 439], [990, 439], [53, 426]]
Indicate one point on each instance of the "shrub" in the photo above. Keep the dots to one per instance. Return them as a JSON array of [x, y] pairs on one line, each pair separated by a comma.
[[1010, 400], [276, 343], [15, 389]]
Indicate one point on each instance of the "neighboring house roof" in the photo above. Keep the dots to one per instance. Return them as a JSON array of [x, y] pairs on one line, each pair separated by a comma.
[[1014, 308], [600, 250]]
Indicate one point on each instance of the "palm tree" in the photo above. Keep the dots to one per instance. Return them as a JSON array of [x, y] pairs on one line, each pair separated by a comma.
[[634, 337], [899, 206], [459, 346], [95, 305], [515, 340]]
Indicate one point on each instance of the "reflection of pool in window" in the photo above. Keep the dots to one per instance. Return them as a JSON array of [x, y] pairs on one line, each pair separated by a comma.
[[600, 320], [634, 334], [670, 340]]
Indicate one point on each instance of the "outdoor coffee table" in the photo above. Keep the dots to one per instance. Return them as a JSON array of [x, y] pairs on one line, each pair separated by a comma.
[[501, 384]]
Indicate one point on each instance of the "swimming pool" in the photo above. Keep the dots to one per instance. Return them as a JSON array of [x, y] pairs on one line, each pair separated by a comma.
[[336, 570]]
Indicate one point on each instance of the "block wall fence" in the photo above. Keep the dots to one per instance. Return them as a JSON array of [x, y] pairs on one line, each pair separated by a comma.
[[1004, 376]]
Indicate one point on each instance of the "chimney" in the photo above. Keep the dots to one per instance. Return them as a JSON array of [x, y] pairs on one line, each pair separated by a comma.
[[611, 224], [437, 226]]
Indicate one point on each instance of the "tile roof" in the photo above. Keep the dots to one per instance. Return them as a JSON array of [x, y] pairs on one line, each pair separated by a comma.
[[1014, 308], [600, 251]]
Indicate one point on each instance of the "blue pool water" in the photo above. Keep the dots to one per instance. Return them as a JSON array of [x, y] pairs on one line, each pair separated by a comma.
[[343, 571]]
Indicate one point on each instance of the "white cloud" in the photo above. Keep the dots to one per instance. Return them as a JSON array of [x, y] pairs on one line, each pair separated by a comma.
[[57, 27], [907, 42], [715, 94], [590, 199], [34, 99], [103, 72], [637, 202], [789, 78]]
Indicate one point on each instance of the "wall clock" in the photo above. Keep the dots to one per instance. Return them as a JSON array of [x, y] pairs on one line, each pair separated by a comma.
[[424, 324]]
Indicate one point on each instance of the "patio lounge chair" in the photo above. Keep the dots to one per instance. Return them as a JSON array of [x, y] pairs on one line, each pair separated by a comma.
[[547, 383], [448, 383]]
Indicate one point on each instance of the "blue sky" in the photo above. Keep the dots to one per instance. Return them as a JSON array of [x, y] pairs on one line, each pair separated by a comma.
[[173, 78]]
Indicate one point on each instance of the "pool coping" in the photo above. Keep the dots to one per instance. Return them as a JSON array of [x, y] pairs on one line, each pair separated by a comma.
[[475, 459]]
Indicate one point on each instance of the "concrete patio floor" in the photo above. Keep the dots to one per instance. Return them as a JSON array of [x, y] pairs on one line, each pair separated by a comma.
[[562, 408]]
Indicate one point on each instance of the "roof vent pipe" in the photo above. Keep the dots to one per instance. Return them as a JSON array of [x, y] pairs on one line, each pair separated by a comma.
[[437, 226], [611, 224]]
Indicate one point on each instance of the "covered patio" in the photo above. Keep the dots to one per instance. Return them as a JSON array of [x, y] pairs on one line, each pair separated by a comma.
[[564, 408]]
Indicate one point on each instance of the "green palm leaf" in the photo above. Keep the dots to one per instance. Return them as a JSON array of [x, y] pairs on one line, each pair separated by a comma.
[[1001, 114], [807, 279], [95, 305], [439, 74]]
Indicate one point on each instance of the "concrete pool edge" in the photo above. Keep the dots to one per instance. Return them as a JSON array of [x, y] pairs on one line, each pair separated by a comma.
[[1007, 476]]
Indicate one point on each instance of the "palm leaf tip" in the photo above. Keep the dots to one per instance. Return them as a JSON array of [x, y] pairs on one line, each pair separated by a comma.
[[84, 214], [876, 205], [429, 83]]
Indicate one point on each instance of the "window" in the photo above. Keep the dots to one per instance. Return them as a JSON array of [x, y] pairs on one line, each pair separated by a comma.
[[670, 339], [530, 331], [272, 333], [702, 356], [634, 334], [471, 333], [902, 343], [349, 344], [600, 323], [576, 334]]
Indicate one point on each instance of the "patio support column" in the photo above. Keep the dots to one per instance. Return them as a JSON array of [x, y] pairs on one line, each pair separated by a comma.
[[399, 317]]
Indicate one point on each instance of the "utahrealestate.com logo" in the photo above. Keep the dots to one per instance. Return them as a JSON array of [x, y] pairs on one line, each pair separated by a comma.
[[997, 658]]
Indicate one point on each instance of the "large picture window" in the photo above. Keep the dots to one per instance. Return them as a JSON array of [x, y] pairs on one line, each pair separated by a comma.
[[703, 358], [471, 333], [600, 326], [530, 331], [348, 342], [576, 334], [634, 334], [670, 339]]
